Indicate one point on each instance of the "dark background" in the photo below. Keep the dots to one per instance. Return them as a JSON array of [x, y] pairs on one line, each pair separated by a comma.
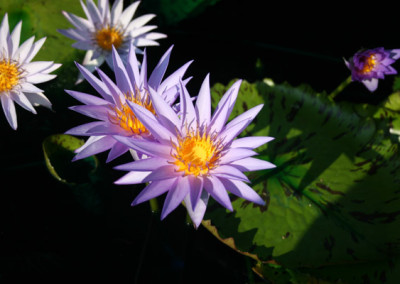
[[51, 232]]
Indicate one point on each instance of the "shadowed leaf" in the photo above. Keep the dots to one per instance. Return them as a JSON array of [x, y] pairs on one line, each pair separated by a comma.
[[58, 152], [333, 198]]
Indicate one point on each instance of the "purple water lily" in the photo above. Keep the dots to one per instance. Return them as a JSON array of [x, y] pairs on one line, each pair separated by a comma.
[[367, 66], [18, 73], [113, 110], [195, 154]]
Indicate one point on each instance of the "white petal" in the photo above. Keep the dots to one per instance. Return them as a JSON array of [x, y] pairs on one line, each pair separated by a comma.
[[22, 100], [24, 49], [140, 31], [38, 99], [74, 34], [144, 42], [15, 37], [51, 68], [116, 11], [4, 34], [30, 88], [154, 36], [102, 5], [371, 84], [40, 78], [94, 12], [34, 50], [140, 21], [9, 110], [77, 21], [37, 66], [128, 13]]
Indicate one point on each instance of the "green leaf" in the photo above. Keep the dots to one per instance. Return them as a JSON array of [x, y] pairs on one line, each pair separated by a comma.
[[58, 151], [332, 200], [396, 84]]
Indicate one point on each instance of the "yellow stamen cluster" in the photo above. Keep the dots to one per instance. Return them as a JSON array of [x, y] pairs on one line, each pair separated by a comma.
[[369, 65], [109, 36], [196, 154], [125, 118], [9, 75]]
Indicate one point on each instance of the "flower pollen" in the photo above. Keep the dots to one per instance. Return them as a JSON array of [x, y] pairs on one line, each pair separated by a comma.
[[108, 37], [9, 75], [197, 153], [369, 64], [124, 116]]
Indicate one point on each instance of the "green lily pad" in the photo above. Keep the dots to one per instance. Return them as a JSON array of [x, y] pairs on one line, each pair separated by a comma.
[[58, 151], [332, 200]]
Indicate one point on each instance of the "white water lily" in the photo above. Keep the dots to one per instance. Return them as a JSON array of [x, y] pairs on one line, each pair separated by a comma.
[[105, 28], [18, 74]]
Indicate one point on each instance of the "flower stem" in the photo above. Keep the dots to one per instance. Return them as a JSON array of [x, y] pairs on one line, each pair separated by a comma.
[[340, 87], [188, 220], [154, 206]]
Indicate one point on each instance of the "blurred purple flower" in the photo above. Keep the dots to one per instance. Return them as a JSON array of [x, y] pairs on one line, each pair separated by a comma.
[[195, 154], [113, 111], [367, 66], [18, 74]]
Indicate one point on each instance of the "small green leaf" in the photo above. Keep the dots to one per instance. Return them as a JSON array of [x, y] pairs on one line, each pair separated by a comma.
[[396, 84], [393, 102], [58, 152]]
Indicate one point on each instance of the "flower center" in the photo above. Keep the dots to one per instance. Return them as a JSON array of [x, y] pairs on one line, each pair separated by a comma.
[[369, 64], [9, 75], [197, 153], [125, 118], [109, 36]]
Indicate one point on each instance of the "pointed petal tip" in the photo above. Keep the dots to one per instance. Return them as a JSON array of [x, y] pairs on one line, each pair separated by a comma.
[[230, 207], [197, 224], [75, 158], [118, 168], [119, 182]]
